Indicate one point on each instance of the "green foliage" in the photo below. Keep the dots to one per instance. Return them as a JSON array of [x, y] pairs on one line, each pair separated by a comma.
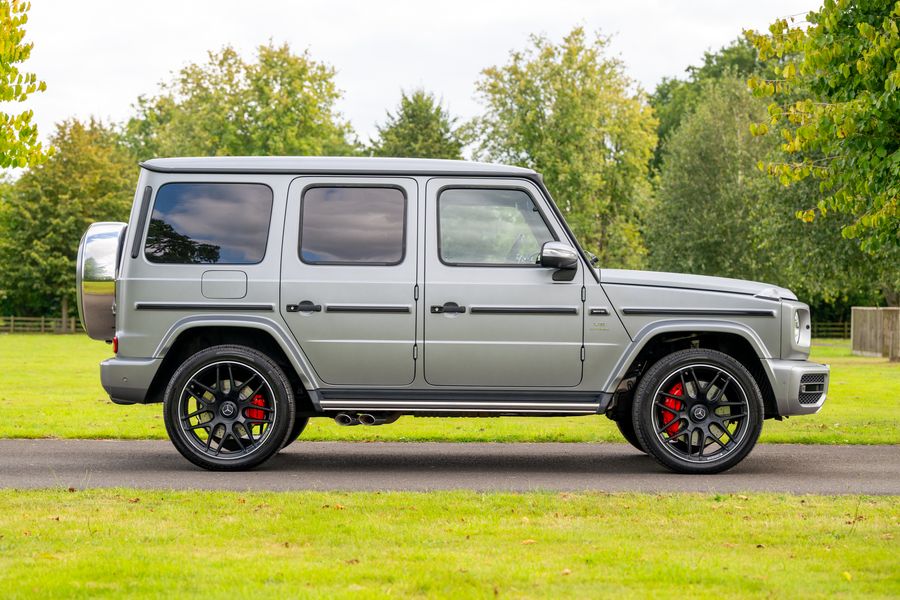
[[570, 112], [281, 104], [674, 99], [19, 145], [91, 178], [717, 214], [836, 108], [421, 128]]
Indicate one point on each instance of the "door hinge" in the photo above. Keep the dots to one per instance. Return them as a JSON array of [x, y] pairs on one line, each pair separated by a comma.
[[583, 294], [415, 351], [416, 292], [582, 354]]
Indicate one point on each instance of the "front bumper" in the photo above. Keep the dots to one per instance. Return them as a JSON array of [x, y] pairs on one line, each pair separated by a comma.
[[127, 380], [800, 386]]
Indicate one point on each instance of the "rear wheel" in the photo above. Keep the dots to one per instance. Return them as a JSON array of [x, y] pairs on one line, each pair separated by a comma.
[[698, 411], [228, 408]]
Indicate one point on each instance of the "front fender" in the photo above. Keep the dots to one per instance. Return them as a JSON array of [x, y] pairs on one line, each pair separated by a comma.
[[652, 330]]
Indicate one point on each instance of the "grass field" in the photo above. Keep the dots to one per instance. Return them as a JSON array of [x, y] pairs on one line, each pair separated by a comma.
[[138, 543], [50, 387]]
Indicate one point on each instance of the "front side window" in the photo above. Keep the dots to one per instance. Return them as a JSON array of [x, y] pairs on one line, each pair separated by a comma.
[[352, 226], [491, 227], [209, 223]]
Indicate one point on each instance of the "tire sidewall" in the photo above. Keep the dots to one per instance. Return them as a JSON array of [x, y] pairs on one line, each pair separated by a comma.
[[283, 398], [643, 417]]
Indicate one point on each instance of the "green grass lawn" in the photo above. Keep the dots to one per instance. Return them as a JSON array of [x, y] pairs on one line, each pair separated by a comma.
[[137, 543], [50, 387]]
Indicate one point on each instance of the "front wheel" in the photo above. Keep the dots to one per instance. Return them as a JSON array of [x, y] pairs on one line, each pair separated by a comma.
[[698, 411], [228, 408]]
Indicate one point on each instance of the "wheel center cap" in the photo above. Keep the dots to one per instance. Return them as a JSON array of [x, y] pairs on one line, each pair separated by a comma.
[[699, 413], [228, 409]]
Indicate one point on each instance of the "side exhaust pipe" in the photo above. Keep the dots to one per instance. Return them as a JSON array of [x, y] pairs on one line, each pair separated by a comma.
[[378, 419], [346, 420]]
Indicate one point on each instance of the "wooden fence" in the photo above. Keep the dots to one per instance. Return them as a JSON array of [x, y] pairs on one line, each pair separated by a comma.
[[876, 331], [831, 330], [39, 325]]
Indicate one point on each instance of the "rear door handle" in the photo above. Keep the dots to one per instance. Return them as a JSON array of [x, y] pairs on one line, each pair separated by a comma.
[[305, 306], [447, 308]]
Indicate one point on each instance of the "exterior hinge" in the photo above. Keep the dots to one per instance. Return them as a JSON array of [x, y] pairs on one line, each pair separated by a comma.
[[582, 354], [583, 294], [416, 292], [416, 352]]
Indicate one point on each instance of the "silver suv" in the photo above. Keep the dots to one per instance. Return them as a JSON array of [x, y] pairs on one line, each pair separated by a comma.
[[251, 294]]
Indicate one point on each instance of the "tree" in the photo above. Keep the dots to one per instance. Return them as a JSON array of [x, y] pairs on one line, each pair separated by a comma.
[[674, 99], [19, 145], [90, 178], [835, 94], [281, 104], [421, 128], [570, 111], [717, 214]]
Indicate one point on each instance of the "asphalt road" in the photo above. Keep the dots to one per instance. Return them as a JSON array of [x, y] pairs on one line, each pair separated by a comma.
[[429, 466]]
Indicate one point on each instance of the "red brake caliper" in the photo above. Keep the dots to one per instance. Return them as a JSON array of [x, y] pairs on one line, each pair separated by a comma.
[[674, 404], [254, 413]]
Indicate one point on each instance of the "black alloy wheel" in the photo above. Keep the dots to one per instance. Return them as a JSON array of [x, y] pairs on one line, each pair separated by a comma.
[[698, 411], [228, 408]]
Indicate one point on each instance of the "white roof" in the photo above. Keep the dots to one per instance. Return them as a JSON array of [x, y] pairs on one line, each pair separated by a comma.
[[328, 164]]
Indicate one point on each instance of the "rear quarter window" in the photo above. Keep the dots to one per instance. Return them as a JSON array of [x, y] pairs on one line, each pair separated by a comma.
[[209, 223]]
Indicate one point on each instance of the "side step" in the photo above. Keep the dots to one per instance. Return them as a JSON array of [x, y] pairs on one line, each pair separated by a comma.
[[445, 406]]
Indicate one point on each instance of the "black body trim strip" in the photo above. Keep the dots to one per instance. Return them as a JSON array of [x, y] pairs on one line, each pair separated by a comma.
[[142, 221], [700, 312], [523, 310], [465, 397], [367, 309], [201, 306], [599, 311]]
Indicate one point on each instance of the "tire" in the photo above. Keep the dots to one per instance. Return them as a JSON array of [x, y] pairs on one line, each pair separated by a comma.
[[698, 411], [228, 408], [626, 427], [294, 434]]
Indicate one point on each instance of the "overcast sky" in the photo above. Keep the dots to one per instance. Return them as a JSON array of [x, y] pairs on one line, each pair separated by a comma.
[[97, 56]]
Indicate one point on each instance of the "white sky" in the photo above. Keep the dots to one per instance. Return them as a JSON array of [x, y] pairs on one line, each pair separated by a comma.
[[97, 56]]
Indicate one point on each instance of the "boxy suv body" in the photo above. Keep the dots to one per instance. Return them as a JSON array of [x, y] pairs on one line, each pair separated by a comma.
[[250, 294]]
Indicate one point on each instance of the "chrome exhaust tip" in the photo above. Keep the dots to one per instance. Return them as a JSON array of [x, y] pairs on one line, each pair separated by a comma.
[[346, 420], [379, 419]]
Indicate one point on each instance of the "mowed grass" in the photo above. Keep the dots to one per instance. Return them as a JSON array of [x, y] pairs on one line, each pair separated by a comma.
[[50, 387], [139, 543]]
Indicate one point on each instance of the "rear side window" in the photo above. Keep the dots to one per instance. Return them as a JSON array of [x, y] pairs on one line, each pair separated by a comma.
[[209, 223], [353, 226]]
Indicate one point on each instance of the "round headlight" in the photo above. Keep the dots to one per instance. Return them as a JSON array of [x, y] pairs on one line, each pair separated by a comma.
[[796, 327]]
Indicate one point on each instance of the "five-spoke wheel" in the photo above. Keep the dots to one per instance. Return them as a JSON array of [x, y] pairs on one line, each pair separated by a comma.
[[229, 408], [698, 411]]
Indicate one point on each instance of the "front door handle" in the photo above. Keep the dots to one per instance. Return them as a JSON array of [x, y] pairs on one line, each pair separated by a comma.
[[447, 308], [305, 306]]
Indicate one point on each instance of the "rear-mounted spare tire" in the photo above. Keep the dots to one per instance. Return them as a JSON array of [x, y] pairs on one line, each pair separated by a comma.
[[95, 278]]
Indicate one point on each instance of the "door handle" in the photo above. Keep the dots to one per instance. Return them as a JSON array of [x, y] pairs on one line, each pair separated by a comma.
[[305, 306], [447, 308]]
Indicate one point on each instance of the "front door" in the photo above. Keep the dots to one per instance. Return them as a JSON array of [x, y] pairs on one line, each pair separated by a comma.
[[348, 275], [493, 317]]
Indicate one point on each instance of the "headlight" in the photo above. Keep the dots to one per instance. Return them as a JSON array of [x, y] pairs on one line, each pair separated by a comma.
[[797, 327]]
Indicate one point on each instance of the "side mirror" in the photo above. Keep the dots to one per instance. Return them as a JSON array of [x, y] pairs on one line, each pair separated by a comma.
[[558, 255]]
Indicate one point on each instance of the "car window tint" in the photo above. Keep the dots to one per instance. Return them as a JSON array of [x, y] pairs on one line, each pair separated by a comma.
[[209, 223], [490, 227], [352, 225]]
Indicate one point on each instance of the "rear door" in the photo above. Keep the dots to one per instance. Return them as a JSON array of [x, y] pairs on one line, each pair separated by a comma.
[[348, 277], [493, 317]]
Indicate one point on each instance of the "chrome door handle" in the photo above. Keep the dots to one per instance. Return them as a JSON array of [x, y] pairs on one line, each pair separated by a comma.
[[305, 306], [447, 308]]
